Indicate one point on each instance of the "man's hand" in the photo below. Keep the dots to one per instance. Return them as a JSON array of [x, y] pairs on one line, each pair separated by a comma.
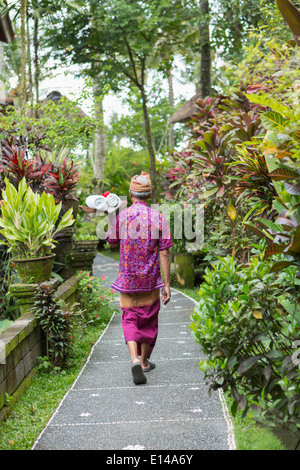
[[87, 209], [166, 294], [165, 263]]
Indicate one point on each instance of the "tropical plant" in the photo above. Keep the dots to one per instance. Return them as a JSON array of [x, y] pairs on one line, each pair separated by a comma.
[[211, 158], [16, 164], [281, 149], [282, 236], [243, 126], [55, 157], [218, 126], [28, 220], [250, 174], [247, 324], [281, 142], [85, 236], [94, 298], [62, 180], [226, 234], [57, 321]]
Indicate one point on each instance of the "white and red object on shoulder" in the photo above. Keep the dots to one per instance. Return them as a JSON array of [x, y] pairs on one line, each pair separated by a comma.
[[106, 202]]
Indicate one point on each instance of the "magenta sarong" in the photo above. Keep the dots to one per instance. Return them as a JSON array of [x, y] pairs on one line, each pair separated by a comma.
[[140, 324]]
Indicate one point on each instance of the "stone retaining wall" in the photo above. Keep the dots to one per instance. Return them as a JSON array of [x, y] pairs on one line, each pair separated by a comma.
[[22, 342]]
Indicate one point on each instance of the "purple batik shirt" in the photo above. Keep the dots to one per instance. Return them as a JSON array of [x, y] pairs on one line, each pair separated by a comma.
[[142, 233]]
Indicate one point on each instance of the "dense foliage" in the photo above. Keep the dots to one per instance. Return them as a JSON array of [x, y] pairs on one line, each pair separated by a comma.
[[94, 298], [242, 163], [57, 322], [247, 324]]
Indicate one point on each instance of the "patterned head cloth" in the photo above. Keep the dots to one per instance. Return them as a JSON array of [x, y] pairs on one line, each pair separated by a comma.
[[141, 183]]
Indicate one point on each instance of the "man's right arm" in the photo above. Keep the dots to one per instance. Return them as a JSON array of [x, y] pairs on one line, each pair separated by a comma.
[[165, 263]]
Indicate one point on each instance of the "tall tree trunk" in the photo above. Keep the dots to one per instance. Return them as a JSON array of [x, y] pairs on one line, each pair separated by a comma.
[[141, 86], [30, 80], [36, 59], [99, 149], [23, 55], [150, 145], [205, 78], [171, 104]]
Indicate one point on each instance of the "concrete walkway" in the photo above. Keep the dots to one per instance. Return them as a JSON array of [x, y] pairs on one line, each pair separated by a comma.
[[173, 411]]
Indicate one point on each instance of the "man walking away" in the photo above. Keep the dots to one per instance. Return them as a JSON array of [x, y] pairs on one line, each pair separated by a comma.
[[144, 238]]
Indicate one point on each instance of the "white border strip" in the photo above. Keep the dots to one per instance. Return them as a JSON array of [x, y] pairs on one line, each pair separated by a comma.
[[156, 420], [126, 387], [230, 429]]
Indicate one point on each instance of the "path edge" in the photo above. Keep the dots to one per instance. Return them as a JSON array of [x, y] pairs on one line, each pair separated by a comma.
[[73, 384], [230, 428]]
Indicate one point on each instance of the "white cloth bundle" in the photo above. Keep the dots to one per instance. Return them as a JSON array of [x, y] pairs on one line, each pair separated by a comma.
[[109, 204], [97, 202], [113, 202]]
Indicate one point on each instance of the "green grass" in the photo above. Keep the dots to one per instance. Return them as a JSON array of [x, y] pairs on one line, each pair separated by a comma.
[[250, 436], [39, 401], [190, 292], [113, 253]]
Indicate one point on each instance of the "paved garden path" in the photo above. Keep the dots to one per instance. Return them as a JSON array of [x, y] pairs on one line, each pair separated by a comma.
[[173, 411]]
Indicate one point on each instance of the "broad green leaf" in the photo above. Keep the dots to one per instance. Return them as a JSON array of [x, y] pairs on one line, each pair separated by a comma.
[[201, 143], [257, 205], [283, 174], [175, 183], [208, 137], [66, 220], [279, 265], [275, 121], [279, 205], [294, 246], [247, 364], [267, 101], [209, 192], [290, 307], [260, 233], [10, 192], [269, 224], [272, 163], [273, 354]]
